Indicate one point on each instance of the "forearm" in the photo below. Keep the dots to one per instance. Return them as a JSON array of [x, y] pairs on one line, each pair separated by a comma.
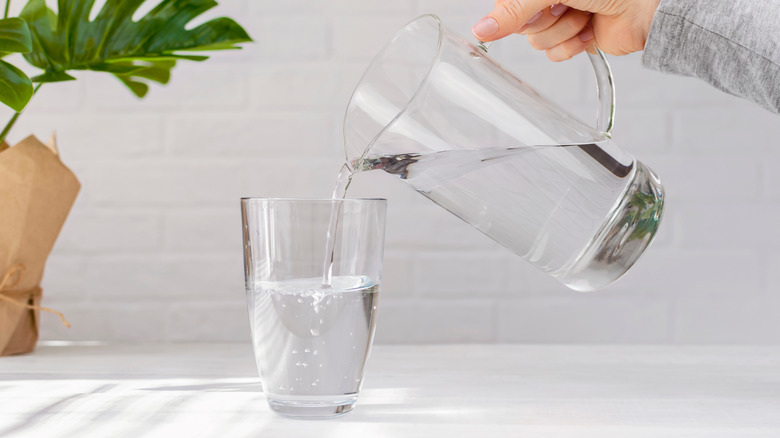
[[732, 44]]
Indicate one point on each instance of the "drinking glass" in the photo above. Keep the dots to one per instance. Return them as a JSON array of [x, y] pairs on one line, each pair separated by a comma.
[[312, 269]]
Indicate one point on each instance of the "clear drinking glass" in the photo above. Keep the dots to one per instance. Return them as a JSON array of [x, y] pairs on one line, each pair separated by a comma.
[[312, 269], [438, 112]]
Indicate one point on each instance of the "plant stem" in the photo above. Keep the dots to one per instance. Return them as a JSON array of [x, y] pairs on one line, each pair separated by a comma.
[[7, 7], [16, 116]]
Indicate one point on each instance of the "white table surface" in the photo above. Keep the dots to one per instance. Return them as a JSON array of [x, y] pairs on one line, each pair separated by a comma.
[[211, 390]]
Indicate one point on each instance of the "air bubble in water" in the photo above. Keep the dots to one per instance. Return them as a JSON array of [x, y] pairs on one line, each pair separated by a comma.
[[315, 332], [307, 350]]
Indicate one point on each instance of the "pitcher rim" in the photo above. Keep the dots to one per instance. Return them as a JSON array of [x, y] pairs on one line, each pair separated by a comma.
[[247, 199], [423, 82]]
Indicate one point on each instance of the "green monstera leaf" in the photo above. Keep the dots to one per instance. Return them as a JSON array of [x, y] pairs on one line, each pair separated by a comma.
[[136, 52], [15, 87]]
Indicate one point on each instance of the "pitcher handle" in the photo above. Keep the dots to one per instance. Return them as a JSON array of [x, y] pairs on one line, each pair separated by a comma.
[[605, 88]]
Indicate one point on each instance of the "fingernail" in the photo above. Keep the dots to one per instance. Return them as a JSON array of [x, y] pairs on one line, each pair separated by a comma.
[[485, 27], [586, 35], [557, 9], [534, 18]]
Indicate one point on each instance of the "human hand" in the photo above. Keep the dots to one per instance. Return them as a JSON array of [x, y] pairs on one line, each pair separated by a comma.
[[564, 28]]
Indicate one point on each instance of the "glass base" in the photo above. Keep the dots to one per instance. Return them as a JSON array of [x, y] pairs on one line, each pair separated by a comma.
[[624, 237], [308, 407]]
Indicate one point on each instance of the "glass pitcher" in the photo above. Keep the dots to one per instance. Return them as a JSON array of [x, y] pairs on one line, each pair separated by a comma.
[[436, 111]]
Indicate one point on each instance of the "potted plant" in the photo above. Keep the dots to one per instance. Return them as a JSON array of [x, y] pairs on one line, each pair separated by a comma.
[[36, 189]]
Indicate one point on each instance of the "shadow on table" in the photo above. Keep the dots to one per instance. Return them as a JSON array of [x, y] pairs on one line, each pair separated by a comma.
[[212, 387], [390, 412]]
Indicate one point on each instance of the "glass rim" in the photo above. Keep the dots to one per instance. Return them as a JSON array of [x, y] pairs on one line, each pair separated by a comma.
[[417, 90]]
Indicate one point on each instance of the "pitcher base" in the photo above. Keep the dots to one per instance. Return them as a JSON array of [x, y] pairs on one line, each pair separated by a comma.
[[623, 239]]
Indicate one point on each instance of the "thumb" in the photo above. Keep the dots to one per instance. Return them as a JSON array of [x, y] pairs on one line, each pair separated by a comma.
[[507, 17]]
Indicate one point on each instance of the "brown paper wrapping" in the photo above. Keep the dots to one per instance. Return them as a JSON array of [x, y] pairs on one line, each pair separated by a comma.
[[36, 194]]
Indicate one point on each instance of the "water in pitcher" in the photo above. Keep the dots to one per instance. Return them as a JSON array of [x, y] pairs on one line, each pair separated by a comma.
[[319, 337], [545, 203]]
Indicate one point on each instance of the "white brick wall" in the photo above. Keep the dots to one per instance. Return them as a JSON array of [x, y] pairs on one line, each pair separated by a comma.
[[152, 250]]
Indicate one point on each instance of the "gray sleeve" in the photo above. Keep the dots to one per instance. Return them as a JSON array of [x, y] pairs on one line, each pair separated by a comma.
[[732, 44]]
